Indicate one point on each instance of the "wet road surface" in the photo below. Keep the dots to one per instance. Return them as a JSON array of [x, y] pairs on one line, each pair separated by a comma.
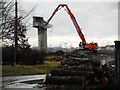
[[31, 81]]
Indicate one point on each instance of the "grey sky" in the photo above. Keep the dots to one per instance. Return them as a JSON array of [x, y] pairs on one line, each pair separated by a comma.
[[99, 22]]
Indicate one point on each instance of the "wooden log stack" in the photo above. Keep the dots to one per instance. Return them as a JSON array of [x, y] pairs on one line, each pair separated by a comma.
[[78, 70]]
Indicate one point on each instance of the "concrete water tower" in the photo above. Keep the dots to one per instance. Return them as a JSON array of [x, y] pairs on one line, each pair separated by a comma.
[[40, 24]]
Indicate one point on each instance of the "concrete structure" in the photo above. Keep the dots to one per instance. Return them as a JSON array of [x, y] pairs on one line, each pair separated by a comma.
[[117, 61], [42, 40], [38, 22]]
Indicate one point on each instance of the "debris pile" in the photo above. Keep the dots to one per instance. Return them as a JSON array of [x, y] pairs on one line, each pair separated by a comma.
[[79, 68]]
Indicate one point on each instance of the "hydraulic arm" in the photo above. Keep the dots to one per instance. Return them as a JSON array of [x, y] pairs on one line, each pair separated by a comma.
[[83, 43], [72, 18]]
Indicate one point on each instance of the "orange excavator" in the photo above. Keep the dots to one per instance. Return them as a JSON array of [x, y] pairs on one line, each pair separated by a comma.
[[83, 44]]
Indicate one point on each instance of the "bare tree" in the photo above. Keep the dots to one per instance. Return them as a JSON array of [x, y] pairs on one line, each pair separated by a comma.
[[7, 22], [6, 19]]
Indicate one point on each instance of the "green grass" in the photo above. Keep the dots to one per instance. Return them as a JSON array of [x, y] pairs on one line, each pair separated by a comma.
[[7, 70]]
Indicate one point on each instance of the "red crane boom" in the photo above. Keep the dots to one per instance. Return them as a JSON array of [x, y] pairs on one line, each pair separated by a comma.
[[83, 43]]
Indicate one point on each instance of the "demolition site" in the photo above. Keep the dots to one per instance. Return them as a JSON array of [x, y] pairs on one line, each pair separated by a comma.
[[86, 68], [89, 67]]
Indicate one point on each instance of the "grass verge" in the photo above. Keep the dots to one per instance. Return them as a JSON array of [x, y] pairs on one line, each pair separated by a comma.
[[7, 70]]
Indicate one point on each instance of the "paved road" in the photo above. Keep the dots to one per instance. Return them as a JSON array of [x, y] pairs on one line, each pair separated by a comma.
[[17, 81]]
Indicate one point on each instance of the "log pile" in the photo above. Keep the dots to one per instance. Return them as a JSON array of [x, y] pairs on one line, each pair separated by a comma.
[[80, 69]]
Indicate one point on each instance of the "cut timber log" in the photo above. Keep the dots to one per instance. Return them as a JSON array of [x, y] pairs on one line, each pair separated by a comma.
[[76, 58], [74, 62], [79, 68], [62, 80], [71, 73]]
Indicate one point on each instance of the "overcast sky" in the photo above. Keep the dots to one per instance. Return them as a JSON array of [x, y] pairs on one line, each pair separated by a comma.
[[98, 20]]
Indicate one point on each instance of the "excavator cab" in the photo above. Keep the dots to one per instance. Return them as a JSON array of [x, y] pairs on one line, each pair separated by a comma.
[[92, 47], [82, 44]]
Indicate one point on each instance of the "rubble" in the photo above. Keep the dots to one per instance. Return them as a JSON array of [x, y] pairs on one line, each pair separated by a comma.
[[79, 68]]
